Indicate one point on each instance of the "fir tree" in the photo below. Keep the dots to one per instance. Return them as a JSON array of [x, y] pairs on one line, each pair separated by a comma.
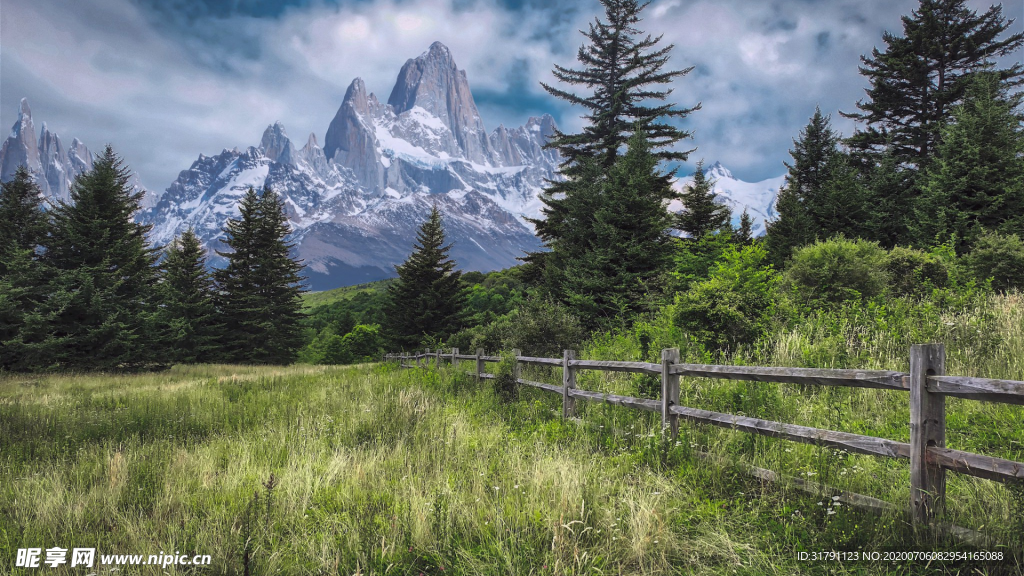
[[618, 249], [187, 313], [259, 291], [814, 154], [23, 276], [976, 183], [701, 215], [920, 76], [428, 300], [623, 69], [625, 76], [744, 234], [104, 273]]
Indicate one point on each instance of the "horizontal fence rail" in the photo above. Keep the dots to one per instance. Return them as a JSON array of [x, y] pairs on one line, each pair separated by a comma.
[[927, 384]]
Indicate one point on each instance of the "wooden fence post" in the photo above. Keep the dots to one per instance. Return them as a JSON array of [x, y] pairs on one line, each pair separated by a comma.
[[568, 383], [927, 428], [455, 361], [479, 363], [517, 370], [437, 358], [669, 390]]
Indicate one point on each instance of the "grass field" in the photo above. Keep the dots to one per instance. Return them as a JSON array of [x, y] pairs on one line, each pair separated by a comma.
[[324, 297], [376, 470]]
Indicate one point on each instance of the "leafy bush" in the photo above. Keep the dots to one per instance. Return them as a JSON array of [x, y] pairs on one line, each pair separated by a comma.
[[538, 327], [999, 257], [363, 343], [734, 305], [913, 272], [828, 273]]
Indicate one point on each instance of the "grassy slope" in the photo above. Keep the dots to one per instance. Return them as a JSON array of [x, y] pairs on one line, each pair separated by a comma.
[[400, 472], [312, 299]]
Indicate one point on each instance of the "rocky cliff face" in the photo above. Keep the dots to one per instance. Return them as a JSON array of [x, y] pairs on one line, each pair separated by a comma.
[[355, 204], [53, 166]]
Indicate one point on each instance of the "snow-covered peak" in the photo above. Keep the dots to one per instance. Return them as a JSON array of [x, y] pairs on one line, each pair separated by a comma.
[[757, 198], [276, 145], [718, 172]]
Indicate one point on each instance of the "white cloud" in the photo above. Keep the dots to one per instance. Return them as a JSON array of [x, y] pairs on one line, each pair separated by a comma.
[[100, 70]]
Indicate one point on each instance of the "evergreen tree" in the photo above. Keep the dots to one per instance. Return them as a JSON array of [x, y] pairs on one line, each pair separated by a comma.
[[625, 73], [259, 291], [428, 300], [187, 314], [623, 69], [104, 273], [701, 215], [814, 154], [618, 249], [744, 234], [23, 277], [920, 76], [976, 183]]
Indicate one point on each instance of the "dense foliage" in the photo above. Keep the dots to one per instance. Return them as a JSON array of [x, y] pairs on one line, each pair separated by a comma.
[[81, 288], [427, 301]]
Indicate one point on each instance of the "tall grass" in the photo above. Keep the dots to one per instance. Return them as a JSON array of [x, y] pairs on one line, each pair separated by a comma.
[[376, 470]]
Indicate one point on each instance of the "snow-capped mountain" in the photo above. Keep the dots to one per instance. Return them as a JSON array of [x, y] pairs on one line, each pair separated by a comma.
[[53, 166], [356, 202], [758, 198]]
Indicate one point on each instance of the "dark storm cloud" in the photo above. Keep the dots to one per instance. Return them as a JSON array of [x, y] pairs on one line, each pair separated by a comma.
[[166, 80]]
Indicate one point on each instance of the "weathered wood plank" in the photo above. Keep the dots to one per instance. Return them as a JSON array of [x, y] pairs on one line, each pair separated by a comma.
[[669, 390], [541, 361], [804, 434], [541, 385], [568, 384], [884, 379], [618, 366], [491, 358], [978, 465], [1006, 391], [927, 429], [627, 401]]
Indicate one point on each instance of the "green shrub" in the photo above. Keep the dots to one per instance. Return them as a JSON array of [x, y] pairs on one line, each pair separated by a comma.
[[913, 272], [363, 342], [505, 385], [999, 257], [538, 327], [828, 273], [734, 305]]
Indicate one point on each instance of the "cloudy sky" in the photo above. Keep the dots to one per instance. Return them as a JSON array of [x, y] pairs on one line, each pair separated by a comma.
[[165, 80]]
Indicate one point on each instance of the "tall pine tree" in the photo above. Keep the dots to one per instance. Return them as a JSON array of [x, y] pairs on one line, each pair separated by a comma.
[[105, 273], [259, 291], [625, 79], [920, 76], [976, 183], [623, 69], [428, 300], [23, 276], [187, 312], [814, 155], [701, 215], [617, 249]]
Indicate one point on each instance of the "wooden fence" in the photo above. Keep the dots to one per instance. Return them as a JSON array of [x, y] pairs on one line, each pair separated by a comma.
[[927, 383]]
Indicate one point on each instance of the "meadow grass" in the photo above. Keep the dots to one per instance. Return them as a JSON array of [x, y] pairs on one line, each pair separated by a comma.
[[380, 470]]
